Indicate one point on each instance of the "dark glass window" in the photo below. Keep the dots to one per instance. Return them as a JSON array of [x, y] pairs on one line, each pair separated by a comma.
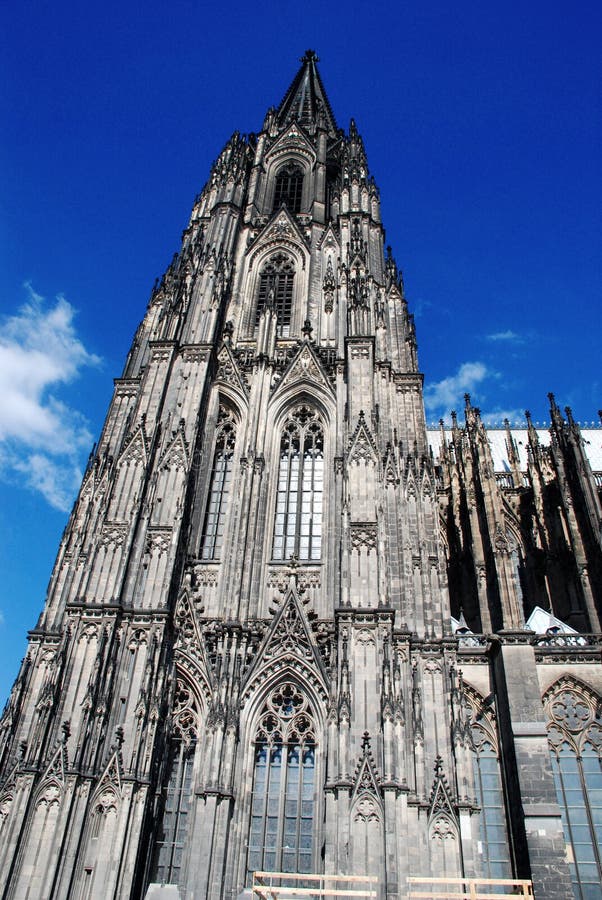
[[283, 801], [171, 837], [493, 848], [575, 735], [172, 823], [276, 283], [493, 838], [289, 188], [220, 485], [298, 522]]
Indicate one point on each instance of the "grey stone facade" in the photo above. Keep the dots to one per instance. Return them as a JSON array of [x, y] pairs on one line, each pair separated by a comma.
[[282, 630]]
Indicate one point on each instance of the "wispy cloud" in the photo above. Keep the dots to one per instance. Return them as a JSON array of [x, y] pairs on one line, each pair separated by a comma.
[[508, 336], [497, 416], [449, 392], [41, 437]]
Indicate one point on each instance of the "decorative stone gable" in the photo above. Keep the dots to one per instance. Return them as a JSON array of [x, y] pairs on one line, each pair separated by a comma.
[[305, 367], [288, 643], [135, 448], [292, 138], [443, 819], [228, 371], [175, 454], [362, 446], [281, 230]]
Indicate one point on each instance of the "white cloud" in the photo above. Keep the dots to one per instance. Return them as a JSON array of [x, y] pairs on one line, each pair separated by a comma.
[[508, 336], [41, 437], [449, 392], [516, 417]]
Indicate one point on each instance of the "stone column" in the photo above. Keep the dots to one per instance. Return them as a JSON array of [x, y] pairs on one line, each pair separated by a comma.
[[534, 814]]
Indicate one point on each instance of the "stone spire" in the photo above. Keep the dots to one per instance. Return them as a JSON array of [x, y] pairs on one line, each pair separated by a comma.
[[306, 101]]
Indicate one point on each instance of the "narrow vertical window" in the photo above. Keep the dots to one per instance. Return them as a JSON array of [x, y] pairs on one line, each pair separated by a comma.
[[493, 839], [172, 826], [298, 522], [493, 845], [276, 283], [575, 736], [219, 488], [283, 800], [169, 847], [288, 189]]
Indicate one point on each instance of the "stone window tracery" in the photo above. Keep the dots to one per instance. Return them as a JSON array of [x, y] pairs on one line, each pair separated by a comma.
[[283, 799], [300, 490], [276, 287], [220, 485], [493, 835], [172, 828], [575, 738], [288, 190]]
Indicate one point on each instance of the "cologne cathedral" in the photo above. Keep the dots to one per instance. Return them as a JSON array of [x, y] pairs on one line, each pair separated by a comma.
[[291, 629]]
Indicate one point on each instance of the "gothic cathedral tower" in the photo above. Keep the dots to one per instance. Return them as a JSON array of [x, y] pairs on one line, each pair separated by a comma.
[[246, 660]]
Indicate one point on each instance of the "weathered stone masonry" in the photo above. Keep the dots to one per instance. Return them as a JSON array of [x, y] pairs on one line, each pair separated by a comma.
[[289, 627]]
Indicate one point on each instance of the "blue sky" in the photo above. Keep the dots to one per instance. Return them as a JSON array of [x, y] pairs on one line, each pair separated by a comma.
[[483, 127]]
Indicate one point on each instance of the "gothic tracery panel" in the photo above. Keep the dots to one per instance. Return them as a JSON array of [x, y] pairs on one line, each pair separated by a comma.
[[288, 188], [575, 738], [299, 500], [276, 289], [281, 832], [220, 486]]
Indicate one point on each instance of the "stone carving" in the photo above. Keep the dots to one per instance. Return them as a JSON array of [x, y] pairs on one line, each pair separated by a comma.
[[206, 576], [158, 540], [575, 716], [185, 715], [366, 810], [362, 446], [442, 813], [113, 535], [364, 535], [290, 634]]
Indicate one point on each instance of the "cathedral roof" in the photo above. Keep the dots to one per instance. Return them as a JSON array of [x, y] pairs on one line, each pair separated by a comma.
[[592, 445], [306, 97]]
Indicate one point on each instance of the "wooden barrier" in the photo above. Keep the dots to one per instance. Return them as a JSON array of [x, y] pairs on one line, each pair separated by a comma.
[[468, 888], [277, 886]]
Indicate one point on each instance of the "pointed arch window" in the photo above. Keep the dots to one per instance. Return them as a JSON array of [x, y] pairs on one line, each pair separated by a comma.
[[298, 523], [220, 486], [288, 189], [493, 846], [575, 737], [281, 834], [276, 285], [172, 828]]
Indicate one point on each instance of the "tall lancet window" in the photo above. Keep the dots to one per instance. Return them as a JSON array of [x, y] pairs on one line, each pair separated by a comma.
[[177, 791], [289, 188], [493, 847], [219, 489], [276, 284], [298, 523], [282, 806], [575, 736]]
